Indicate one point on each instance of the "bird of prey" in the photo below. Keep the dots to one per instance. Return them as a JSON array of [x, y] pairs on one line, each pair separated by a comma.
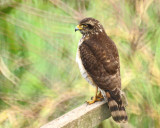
[[98, 60]]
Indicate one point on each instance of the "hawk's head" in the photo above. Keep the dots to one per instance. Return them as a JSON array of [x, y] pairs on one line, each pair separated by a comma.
[[89, 26]]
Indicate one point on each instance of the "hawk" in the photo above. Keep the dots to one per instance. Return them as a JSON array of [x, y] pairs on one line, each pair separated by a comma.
[[98, 60]]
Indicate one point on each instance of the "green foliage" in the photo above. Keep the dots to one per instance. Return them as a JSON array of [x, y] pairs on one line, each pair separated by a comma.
[[39, 78]]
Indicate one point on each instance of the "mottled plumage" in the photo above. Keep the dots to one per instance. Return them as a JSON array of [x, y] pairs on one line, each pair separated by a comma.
[[98, 60]]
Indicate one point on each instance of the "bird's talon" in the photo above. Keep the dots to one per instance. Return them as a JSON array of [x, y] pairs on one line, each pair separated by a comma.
[[100, 95], [94, 99], [100, 99]]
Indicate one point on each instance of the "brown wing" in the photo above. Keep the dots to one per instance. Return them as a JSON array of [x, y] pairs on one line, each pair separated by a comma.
[[102, 66], [106, 53]]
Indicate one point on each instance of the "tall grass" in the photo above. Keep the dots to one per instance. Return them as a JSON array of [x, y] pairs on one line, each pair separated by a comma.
[[39, 78]]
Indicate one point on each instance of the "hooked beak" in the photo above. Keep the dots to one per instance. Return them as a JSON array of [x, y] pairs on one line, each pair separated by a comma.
[[78, 27]]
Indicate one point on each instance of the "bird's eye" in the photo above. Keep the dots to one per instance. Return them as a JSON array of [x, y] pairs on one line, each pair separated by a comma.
[[89, 26]]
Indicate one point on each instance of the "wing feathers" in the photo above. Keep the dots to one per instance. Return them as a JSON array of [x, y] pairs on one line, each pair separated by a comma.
[[110, 63]]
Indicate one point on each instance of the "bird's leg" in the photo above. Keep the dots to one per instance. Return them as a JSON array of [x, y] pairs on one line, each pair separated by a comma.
[[100, 96], [95, 98]]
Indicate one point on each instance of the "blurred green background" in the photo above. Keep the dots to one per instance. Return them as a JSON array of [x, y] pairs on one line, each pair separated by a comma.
[[39, 78]]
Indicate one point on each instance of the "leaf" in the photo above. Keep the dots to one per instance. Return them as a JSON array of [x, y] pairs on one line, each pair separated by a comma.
[[6, 72]]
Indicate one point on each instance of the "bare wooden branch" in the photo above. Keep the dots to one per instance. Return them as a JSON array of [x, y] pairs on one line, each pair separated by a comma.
[[85, 116]]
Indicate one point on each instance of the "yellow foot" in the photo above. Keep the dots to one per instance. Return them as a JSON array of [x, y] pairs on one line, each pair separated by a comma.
[[93, 100], [100, 96]]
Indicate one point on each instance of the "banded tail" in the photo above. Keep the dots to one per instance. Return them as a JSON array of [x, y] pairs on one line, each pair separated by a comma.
[[118, 112]]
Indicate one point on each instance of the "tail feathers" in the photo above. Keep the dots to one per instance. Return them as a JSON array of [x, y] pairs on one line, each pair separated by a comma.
[[118, 112]]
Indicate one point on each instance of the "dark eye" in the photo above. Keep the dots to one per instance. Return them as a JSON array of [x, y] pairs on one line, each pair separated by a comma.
[[89, 26]]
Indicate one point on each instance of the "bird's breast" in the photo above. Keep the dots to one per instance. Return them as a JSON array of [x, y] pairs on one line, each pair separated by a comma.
[[83, 71]]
